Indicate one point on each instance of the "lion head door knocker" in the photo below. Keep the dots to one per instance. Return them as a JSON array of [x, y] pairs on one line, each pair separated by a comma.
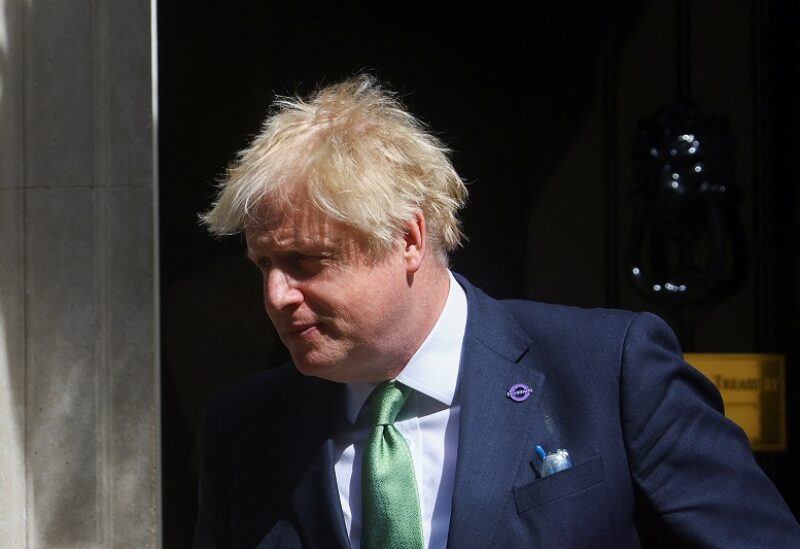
[[687, 243]]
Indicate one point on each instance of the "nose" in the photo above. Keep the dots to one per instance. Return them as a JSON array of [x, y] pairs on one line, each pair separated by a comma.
[[280, 290]]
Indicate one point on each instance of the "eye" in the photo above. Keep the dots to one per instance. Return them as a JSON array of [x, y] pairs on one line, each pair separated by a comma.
[[307, 262], [301, 265]]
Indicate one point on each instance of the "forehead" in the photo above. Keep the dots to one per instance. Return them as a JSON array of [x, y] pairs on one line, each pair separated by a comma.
[[292, 225]]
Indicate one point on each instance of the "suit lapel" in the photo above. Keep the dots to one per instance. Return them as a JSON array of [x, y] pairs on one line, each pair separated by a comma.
[[314, 494], [495, 432]]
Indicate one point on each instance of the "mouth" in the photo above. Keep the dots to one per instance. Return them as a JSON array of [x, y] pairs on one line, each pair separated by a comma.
[[301, 330]]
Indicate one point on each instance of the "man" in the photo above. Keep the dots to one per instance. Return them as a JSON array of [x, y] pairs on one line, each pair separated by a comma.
[[414, 406]]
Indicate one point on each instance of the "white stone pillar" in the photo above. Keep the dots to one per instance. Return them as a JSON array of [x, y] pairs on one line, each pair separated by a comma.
[[79, 390]]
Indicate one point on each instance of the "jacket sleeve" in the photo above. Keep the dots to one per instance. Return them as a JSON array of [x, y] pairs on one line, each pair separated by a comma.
[[692, 466], [212, 530]]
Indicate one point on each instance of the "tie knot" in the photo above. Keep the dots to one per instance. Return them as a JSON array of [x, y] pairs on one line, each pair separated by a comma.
[[387, 399]]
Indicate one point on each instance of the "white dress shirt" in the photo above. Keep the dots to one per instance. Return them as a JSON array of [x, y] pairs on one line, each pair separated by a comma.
[[428, 422]]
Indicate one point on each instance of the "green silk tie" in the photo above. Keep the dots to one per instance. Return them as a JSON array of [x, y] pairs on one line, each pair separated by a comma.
[[391, 518]]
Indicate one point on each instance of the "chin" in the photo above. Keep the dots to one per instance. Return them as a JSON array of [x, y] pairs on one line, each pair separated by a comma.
[[315, 368], [333, 366]]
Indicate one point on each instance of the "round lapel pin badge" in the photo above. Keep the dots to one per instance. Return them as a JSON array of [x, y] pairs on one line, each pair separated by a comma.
[[519, 392]]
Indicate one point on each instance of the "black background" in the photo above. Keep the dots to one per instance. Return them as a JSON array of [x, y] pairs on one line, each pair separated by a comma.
[[510, 89]]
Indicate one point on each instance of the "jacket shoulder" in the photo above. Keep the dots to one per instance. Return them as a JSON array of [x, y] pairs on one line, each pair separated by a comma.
[[566, 316], [569, 325]]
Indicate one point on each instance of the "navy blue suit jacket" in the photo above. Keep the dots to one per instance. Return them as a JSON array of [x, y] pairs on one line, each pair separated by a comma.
[[655, 463]]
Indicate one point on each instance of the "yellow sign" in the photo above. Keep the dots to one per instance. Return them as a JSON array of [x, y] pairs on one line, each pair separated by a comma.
[[753, 390]]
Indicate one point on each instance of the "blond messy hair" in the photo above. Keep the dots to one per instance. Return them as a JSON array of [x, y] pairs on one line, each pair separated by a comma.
[[361, 159]]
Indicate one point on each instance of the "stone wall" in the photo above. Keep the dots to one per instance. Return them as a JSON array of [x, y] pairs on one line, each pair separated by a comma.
[[79, 395]]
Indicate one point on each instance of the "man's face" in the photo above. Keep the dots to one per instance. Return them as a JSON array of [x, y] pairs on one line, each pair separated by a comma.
[[340, 313]]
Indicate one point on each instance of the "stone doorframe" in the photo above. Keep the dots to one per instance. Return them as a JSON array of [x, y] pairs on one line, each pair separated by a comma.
[[79, 332]]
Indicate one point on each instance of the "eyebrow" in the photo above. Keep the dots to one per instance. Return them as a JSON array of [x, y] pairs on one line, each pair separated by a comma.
[[313, 249]]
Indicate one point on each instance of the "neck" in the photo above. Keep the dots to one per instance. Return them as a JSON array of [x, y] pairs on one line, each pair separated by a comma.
[[428, 290]]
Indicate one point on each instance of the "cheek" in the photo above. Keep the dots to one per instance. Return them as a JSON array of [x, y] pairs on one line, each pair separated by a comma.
[[355, 309], [384, 301], [358, 300]]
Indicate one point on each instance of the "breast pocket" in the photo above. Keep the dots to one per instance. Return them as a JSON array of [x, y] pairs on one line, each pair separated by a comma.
[[559, 485]]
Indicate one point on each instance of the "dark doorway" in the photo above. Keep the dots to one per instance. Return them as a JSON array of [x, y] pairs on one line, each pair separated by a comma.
[[538, 104]]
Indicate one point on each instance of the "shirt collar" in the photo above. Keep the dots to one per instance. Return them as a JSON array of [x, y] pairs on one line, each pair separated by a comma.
[[433, 370]]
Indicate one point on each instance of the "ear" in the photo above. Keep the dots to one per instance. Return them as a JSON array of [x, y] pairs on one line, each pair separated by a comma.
[[415, 241]]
